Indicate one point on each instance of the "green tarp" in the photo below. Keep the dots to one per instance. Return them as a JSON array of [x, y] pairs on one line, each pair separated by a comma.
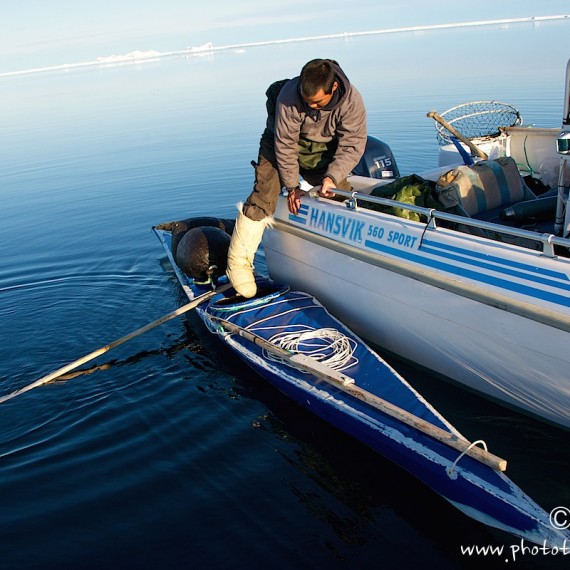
[[411, 189]]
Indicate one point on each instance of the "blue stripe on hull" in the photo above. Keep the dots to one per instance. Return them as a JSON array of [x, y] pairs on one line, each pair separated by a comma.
[[442, 249], [509, 286]]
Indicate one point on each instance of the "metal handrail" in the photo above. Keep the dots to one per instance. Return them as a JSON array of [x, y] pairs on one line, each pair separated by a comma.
[[547, 240]]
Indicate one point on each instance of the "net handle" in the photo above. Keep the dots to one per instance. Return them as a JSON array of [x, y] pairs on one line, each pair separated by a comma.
[[476, 151]]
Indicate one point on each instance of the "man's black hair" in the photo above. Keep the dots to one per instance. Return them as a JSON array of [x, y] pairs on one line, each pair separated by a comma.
[[317, 74]]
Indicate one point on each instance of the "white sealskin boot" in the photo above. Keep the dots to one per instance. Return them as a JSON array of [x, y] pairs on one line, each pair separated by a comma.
[[246, 238]]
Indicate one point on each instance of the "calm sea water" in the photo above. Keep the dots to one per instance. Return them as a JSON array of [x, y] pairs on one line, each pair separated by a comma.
[[167, 452]]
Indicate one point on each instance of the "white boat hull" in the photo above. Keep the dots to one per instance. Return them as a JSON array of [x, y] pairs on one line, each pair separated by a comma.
[[498, 331]]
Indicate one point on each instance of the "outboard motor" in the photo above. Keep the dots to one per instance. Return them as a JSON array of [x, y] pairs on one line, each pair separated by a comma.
[[377, 161]]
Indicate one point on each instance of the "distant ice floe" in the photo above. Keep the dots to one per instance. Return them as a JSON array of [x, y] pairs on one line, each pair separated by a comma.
[[200, 49], [208, 48], [133, 56], [204, 49]]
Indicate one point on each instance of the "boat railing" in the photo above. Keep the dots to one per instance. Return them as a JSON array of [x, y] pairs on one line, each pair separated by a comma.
[[432, 215]]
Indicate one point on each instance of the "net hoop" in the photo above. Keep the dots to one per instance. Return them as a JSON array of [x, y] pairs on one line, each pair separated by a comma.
[[477, 120]]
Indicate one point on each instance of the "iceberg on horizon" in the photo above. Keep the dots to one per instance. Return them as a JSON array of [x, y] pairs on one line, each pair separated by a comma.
[[132, 56], [209, 46]]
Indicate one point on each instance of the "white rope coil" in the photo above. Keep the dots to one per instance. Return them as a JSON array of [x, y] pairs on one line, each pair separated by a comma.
[[327, 345]]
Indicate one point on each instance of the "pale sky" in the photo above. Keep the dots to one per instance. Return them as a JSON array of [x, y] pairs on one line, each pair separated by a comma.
[[35, 33]]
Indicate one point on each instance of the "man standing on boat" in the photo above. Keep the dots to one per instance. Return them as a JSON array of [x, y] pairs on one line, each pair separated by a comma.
[[316, 128]]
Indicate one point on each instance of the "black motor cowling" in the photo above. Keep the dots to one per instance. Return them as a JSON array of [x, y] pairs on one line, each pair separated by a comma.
[[377, 161]]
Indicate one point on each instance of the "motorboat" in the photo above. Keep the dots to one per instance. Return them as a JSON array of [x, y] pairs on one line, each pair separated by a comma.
[[463, 269]]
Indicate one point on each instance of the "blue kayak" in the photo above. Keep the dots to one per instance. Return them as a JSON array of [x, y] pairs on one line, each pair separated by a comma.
[[291, 340]]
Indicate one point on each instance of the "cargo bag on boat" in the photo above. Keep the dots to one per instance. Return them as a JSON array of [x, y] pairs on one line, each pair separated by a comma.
[[411, 189], [483, 191], [479, 190]]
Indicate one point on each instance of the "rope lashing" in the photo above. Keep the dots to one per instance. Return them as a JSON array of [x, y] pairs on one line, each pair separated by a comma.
[[451, 470]]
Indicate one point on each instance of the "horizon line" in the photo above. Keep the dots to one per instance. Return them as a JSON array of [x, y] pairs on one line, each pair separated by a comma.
[[204, 49]]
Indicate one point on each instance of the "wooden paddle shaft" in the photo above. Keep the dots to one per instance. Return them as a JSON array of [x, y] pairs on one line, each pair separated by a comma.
[[348, 385], [457, 134], [106, 348]]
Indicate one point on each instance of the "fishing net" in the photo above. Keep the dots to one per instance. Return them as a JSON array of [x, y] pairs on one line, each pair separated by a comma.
[[478, 119]]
